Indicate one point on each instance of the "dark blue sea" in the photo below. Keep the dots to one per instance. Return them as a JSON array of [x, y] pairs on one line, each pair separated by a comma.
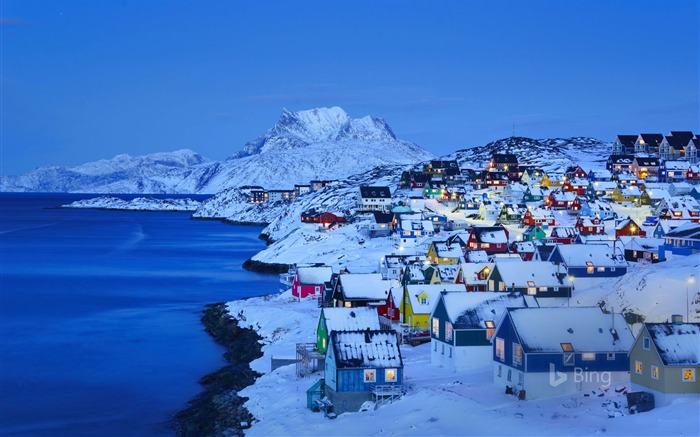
[[99, 314]]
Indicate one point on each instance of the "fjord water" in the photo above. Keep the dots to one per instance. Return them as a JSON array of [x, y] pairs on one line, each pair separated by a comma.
[[99, 314]]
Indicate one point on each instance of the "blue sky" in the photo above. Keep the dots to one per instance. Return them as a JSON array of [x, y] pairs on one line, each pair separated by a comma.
[[87, 80]]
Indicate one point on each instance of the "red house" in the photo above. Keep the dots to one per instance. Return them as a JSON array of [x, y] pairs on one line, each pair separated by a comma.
[[693, 173], [389, 309], [627, 227], [323, 218], [538, 217], [560, 200], [590, 226], [576, 186], [563, 234], [575, 172], [490, 239], [310, 281]]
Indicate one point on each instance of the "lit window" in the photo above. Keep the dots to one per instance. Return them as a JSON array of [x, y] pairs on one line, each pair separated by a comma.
[[490, 329], [588, 356], [436, 326], [638, 367], [448, 331], [390, 375], [646, 343], [517, 354], [567, 347], [654, 372], [500, 349], [688, 375], [370, 375], [601, 269]]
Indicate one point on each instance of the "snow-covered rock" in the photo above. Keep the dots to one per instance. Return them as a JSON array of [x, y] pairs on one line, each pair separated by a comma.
[[137, 204]]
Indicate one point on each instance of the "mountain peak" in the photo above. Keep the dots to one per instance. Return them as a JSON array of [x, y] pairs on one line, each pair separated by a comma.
[[294, 130]]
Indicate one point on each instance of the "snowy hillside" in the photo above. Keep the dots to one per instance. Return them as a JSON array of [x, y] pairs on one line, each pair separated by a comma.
[[138, 204], [323, 143], [553, 155]]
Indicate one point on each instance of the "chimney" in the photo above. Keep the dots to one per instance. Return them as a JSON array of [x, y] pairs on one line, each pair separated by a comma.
[[677, 319]]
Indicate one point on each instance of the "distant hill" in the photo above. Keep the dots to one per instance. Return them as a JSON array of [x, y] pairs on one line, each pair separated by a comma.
[[322, 143]]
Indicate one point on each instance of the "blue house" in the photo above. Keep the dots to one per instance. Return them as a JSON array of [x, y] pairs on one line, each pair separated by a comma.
[[546, 352], [683, 240], [362, 366], [590, 260]]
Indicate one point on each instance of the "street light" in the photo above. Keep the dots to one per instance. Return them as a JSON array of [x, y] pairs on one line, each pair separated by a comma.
[[691, 279]]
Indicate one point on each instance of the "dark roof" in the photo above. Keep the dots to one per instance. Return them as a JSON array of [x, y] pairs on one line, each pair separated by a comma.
[[621, 159], [420, 177], [647, 161], [545, 250], [684, 136], [677, 343], [653, 139], [370, 192], [627, 140], [380, 217], [496, 175], [444, 164], [688, 231], [504, 158]]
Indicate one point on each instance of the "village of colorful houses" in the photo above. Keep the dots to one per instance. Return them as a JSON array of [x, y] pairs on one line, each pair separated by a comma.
[[480, 257]]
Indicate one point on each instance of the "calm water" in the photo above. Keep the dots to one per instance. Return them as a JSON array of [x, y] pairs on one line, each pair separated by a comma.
[[99, 314]]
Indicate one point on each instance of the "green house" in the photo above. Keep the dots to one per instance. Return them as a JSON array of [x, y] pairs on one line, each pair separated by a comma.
[[664, 361], [534, 232], [344, 319]]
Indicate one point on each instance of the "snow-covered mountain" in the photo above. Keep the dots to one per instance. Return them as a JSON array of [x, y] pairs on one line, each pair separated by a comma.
[[553, 155], [322, 143]]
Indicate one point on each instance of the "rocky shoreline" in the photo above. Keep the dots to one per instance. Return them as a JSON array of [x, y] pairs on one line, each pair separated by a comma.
[[218, 410], [263, 267]]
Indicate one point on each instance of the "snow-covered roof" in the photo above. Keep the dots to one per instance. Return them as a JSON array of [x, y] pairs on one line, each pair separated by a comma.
[[431, 292], [471, 310], [564, 232], [364, 286], [476, 256], [351, 319], [641, 243], [448, 272], [587, 329], [444, 250], [490, 234], [604, 185], [470, 271], [314, 275], [686, 231], [600, 255], [678, 343], [366, 349], [539, 273]]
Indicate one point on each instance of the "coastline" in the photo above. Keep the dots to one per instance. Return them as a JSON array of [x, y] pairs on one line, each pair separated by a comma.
[[218, 409]]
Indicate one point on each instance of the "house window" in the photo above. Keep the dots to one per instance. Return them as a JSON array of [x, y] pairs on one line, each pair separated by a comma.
[[569, 359], [601, 269], [645, 343], [611, 356], [520, 378], [589, 270], [531, 291], [317, 289], [450, 350], [423, 300], [588, 356], [500, 371], [443, 350], [390, 375], [490, 329], [500, 349], [638, 367], [688, 375], [654, 372], [436, 326], [435, 346], [567, 347], [517, 354], [370, 375], [448, 331], [485, 245], [510, 375]]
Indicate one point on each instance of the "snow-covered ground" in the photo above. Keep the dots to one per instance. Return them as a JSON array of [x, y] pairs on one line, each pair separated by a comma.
[[439, 402]]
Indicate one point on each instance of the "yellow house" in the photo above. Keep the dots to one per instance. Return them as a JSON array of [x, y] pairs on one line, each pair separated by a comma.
[[442, 253], [626, 195], [420, 300]]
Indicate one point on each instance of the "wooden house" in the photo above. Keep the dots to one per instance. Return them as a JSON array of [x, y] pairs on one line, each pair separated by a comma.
[[577, 186], [643, 249], [648, 143], [692, 175], [539, 217], [535, 194], [360, 289], [309, 281], [563, 234], [497, 180], [534, 232], [463, 325], [375, 198], [664, 361], [627, 180], [391, 309], [473, 275], [673, 146], [440, 252], [525, 249], [361, 366], [503, 162], [558, 199], [420, 273], [590, 260], [600, 175], [280, 195], [673, 171], [598, 208], [419, 300], [628, 227], [491, 239], [575, 172], [600, 189], [619, 163], [344, 319], [624, 145], [629, 194], [541, 279], [664, 226], [646, 168], [590, 225], [683, 240], [540, 352]]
